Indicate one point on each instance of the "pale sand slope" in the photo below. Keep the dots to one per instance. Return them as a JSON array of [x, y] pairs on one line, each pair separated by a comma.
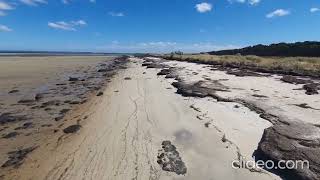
[[125, 129], [281, 98]]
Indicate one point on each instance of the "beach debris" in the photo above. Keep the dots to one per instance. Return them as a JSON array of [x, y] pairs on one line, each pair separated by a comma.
[[72, 129], [169, 159], [127, 78]]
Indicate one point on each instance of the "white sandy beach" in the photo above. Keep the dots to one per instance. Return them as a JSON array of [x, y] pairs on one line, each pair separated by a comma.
[[122, 130]]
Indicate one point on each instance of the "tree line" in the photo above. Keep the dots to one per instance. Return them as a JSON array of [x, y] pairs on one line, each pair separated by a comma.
[[306, 49]]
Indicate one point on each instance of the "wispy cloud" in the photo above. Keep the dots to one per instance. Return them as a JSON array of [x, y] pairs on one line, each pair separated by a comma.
[[67, 26], [278, 13], [33, 2], [254, 2], [5, 6], [4, 28], [116, 14], [162, 47], [203, 7], [251, 2], [69, 1], [313, 10]]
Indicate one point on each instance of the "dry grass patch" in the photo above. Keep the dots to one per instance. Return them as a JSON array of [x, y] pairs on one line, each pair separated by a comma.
[[295, 65]]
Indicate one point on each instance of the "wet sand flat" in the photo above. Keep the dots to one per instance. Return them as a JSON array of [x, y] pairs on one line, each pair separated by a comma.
[[33, 71], [36, 93]]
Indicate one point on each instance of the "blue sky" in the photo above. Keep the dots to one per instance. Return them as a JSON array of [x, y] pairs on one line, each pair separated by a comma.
[[154, 25]]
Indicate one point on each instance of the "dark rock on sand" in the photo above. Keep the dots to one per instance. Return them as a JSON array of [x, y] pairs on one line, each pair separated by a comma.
[[72, 129], [27, 100], [38, 96], [127, 78], [73, 79], [16, 158], [169, 159], [311, 88], [164, 72], [207, 124], [8, 117], [74, 102], [242, 73], [64, 111], [294, 80], [200, 89], [51, 103], [10, 135], [100, 94], [259, 96], [295, 141], [154, 64], [13, 91], [102, 70], [26, 125], [305, 106], [58, 118], [61, 84]]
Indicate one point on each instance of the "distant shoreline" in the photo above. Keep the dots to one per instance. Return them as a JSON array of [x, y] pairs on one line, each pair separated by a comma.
[[45, 53]]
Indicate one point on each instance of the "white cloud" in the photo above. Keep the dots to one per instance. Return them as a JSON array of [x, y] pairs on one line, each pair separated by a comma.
[[116, 14], [4, 28], [314, 10], [5, 6], [67, 26], [278, 13], [203, 7], [33, 2]]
